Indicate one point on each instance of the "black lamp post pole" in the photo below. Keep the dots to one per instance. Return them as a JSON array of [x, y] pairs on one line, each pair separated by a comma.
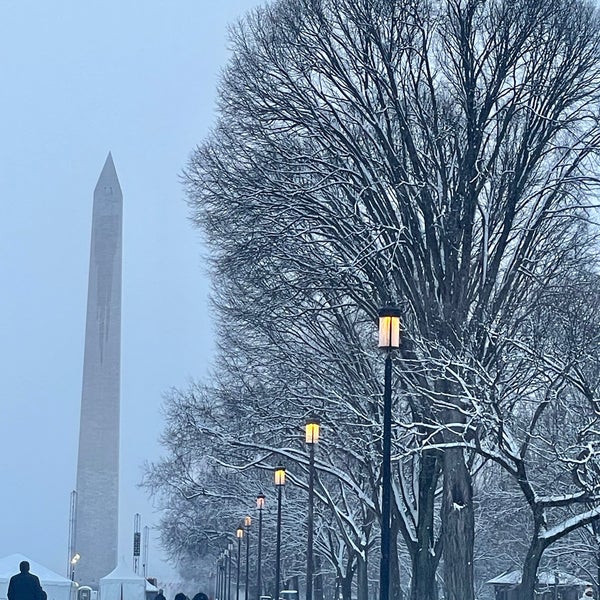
[[278, 546], [247, 560], [386, 492], [229, 569], [258, 560], [310, 522], [237, 582]]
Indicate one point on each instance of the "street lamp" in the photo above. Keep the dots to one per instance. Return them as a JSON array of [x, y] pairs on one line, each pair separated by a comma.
[[389, 340], [222, 592], [260, 504], [279, 483], [312, 430], [247, 523], [229, 553], [74, 561], [219, 586], [239, 534]]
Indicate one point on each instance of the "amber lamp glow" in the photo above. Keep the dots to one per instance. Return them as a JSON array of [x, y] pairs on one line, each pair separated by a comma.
[[280, 476], [389, 327], [313, 426]]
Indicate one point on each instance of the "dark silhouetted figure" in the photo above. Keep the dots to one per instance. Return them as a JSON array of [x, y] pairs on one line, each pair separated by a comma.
[[181, 596], [160, 596], [200, 596], [25, 585]]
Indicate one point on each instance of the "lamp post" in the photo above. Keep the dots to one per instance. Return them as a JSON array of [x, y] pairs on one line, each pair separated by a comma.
[[312, 429], [222, 593], [260, 504], [247, 523], [389, 339], [239, 534], [229, 552], [74, 561], [279, 483], [218, 583]]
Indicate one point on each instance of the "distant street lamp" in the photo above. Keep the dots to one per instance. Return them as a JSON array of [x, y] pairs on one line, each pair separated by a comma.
[[260, 504], [218, 579], [219, 584], [279, 483], [312, 438], [239, 534], [218, 592], [247, 523], [229, 553], [75, 558], [389, 340]]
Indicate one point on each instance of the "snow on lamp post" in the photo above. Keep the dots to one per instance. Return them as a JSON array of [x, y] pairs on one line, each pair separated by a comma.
[[389, 340]]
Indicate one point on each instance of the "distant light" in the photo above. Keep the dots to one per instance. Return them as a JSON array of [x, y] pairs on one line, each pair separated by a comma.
[[312, 429], [280, 476]]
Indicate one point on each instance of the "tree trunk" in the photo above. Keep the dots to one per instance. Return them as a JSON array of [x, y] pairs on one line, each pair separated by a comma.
[[318, 591], [457, 527], [395, 587], [526, 589], [362, 577], [424, 561], [347, 586]]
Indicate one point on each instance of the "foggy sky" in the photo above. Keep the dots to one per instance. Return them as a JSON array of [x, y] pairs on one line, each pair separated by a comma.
[[80, 79]]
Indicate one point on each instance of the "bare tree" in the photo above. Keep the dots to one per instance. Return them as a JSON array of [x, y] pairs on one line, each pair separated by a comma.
[[440, 154]]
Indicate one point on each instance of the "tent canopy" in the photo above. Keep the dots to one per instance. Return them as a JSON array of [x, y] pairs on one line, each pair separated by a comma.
[[9, 566], [56, 586], [122, 573], [121, 583]]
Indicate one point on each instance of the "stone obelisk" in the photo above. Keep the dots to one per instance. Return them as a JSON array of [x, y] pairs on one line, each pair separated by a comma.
[[96, 534]]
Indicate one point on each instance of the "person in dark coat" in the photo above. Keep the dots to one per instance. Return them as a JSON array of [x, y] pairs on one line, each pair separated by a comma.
[[160, 596], [24, 585], [200, 596]]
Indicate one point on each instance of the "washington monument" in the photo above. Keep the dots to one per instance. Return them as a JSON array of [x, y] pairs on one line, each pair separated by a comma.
[[97, 505]]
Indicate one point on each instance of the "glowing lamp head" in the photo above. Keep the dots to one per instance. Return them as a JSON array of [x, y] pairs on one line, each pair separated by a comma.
[[230, 547], [260, 501], [312, 429], [389, 327], [280, 476], [75, 558], [248, 521], [239, 533]]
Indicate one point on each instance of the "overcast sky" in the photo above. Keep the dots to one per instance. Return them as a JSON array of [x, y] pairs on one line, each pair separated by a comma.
[[80, 79]]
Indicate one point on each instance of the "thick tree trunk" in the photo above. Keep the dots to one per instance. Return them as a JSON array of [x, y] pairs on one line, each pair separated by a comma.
[[318, 591], [347, 586], [457, 527], [526, 589], [362, 578], [395, 588], [424, 562]]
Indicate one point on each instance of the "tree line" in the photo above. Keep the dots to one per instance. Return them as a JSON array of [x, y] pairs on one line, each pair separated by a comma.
[[440, 155]]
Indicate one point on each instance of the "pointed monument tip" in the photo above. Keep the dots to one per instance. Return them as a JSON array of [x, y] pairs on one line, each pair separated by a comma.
[[108, 177]]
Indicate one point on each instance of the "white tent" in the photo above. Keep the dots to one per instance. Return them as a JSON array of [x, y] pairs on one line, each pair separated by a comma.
[[56, 586], [122, 584]]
